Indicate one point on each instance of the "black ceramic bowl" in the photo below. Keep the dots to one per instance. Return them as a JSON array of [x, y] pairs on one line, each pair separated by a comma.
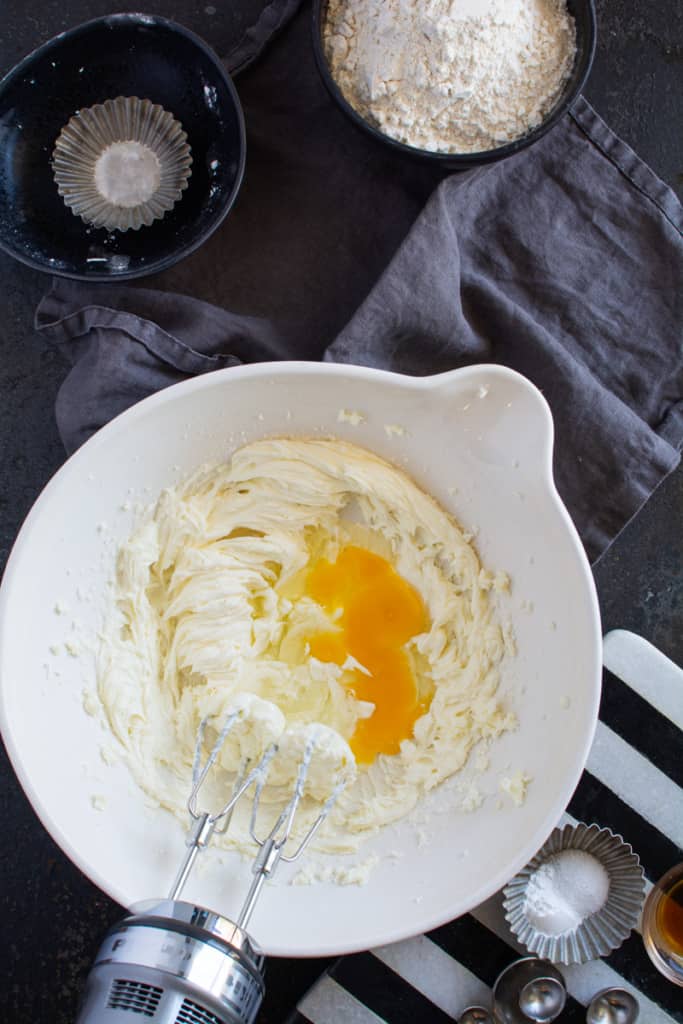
[[583, 12], [120, 55]]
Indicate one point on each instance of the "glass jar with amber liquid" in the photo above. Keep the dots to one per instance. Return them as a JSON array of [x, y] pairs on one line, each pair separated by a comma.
[[663, 925]]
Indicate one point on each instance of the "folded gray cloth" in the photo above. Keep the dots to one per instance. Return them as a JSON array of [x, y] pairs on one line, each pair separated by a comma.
[[564, 262], [271, 20]]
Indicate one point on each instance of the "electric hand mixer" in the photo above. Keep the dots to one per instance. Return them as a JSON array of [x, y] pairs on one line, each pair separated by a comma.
[[172, 962]]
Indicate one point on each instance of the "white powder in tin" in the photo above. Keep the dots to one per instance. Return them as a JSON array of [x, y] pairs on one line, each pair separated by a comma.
[[127, 173], [452, 76], [564, 891]]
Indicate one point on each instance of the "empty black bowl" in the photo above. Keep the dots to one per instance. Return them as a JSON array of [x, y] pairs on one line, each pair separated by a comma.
[[583, 12], [121, 55]]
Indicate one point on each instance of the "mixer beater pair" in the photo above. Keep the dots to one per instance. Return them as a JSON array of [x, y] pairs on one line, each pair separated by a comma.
[[172, 962]]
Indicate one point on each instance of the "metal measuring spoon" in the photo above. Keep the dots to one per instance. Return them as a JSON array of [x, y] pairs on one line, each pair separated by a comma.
[[476, 1015], [613, 1006], [510, 984], [542, 999]]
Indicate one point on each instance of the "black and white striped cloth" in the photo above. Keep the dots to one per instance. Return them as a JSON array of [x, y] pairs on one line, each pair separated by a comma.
[[633, 784]]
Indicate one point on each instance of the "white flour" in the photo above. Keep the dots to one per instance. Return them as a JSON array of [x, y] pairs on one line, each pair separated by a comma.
[[564, 891], [456, 76]]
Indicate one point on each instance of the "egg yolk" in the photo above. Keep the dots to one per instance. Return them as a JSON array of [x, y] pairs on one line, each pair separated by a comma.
[[377, 612]]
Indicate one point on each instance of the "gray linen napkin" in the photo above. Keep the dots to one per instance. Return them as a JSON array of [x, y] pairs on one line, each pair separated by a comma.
[[271, 20], [564, 262]]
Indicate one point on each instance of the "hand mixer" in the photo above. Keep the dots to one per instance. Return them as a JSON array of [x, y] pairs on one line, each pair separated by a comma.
[[172, 962]]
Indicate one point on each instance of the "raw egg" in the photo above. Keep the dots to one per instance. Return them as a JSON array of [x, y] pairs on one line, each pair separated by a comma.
[[375, 612]]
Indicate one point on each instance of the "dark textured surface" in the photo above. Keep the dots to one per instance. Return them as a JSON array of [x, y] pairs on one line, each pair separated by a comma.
[[52, 917], [24, 26]]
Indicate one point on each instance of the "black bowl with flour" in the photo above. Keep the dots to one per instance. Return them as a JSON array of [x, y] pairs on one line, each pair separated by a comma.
[[583, 12], [119, 55]]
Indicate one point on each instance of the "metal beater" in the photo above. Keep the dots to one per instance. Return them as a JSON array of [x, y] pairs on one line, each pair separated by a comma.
[[172, 962]]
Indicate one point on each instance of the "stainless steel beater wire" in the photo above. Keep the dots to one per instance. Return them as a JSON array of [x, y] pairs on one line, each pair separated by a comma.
[[185, 869], [198, 752], [205, 821], [299, 788], [287, 815], [199, 775], [271, 853], [271, 847], [258, 772], [327, 807], [225, 817]]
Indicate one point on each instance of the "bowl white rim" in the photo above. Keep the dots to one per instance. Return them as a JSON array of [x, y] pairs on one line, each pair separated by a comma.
[[213, 379]]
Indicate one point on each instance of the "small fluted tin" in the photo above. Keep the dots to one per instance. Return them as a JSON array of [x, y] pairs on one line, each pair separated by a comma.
[[122, 164], [601, 932]]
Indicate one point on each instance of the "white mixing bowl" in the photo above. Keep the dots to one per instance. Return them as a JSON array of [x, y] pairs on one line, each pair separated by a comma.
[[480, 441]]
